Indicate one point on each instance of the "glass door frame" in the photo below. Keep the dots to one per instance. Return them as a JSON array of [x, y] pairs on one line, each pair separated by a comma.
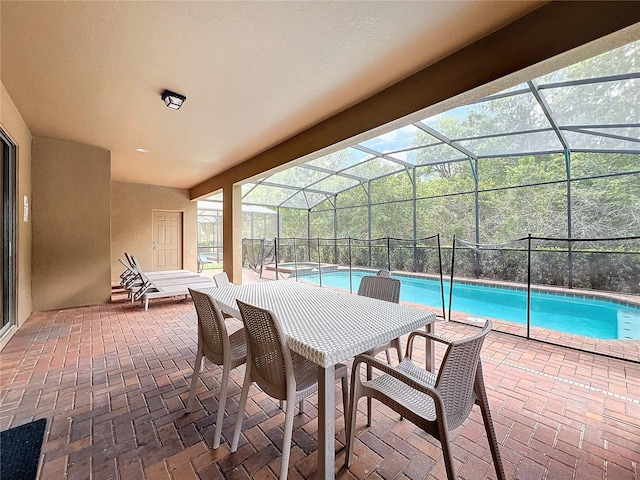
[[9, 235]]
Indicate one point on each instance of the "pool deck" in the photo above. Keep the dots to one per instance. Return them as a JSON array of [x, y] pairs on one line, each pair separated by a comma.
[[288, 269], [112, 381]]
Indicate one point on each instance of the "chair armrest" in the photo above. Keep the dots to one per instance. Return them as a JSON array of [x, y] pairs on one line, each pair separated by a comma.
[[393, 372], [428, 336]]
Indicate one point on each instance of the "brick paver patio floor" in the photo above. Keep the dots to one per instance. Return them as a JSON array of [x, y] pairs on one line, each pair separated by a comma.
[[112, 382]]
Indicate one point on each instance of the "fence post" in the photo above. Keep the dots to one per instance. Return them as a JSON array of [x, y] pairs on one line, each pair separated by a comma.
[[453, 257], [275, 255], [369, 218], [335, 228], [319, 264], [295, 257], [444, 314], [261, 256], [350, 276], [529, 287], [570, 258], [309, 231]]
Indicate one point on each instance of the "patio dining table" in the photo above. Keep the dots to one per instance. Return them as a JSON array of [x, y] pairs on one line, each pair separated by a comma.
[[327, 327]]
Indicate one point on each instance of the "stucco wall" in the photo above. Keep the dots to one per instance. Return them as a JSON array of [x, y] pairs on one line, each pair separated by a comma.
[[13, 125], [131, 222], [71, 258]]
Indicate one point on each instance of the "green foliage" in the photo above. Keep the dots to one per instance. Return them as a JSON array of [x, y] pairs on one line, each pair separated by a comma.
[[611, 272], [294, 222]]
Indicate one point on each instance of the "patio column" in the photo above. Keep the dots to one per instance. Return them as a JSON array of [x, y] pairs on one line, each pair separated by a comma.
[[232, 232]]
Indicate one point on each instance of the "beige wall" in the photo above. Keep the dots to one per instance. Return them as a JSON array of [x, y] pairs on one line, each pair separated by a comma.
[[71, 258], [13, 125], [131, 221], [64, 249]]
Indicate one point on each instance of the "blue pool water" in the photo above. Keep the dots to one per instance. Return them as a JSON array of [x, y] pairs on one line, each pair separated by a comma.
[[565, 313]]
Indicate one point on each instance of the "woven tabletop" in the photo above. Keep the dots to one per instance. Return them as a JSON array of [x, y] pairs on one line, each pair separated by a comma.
[[324, 325]]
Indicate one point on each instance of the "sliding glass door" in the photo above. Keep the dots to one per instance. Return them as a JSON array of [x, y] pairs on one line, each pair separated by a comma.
[[8, 192]]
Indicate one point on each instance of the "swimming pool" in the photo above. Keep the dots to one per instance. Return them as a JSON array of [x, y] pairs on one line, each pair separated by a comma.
[[566, 313]]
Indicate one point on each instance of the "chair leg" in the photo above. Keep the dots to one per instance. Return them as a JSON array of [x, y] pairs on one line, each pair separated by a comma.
[[300, 406], [286, 441], [369, 409], [345, 399], [241, 406], [351, 424], [443, 436], [398, 346], [483, 402], [388, 356], [222, 400], [194, 380], [448, 456]]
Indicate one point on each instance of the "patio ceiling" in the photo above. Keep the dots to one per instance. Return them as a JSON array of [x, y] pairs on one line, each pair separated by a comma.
[[255, 73], [591, 106]]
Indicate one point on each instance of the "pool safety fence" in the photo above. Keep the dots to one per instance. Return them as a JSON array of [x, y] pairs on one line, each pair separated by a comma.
[[601, 266], [297, 257], [607, 265]]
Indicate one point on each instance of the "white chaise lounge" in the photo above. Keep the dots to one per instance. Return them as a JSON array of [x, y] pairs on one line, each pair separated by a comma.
[[145, 286], [174, 290]]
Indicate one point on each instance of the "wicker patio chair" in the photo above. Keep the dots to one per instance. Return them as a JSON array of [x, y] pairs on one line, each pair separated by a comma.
[[437, 404], [222, 280], [214, 343], [382, 287], [279, 372]]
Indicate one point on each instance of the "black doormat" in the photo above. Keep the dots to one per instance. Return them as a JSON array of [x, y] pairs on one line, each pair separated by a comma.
[[20, 450]]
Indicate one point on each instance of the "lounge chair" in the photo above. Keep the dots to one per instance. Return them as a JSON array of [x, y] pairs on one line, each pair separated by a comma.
[[137, 281], [130, 277], [148, 283], [172, 288], [145, 286]]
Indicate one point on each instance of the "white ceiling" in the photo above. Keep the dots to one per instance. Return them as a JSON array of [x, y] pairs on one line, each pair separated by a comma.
[[254, 73]]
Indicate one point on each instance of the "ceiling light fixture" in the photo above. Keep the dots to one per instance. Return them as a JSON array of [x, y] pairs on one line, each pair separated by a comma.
[[172, 99], [142, 150]]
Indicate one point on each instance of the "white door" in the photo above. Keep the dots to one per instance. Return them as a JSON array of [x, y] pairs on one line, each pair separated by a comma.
[[167, 240]]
